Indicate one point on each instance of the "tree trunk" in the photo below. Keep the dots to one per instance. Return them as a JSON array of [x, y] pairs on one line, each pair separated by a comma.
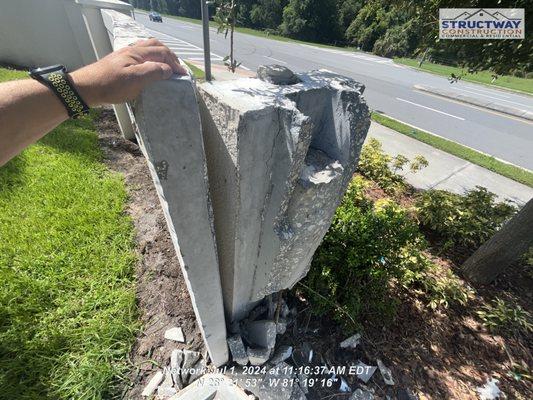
[[505, 247]]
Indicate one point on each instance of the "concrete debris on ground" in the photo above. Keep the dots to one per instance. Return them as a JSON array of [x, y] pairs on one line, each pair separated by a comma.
[[385, 373], [490, 390], [343, 387], [364, 372], [360, 394], [262, 333], [281, 354], [258, 356], [175, 334], [351, 342], [153, 384]]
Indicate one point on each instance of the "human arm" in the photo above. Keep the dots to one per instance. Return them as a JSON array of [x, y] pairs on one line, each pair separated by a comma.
[[29, 109]]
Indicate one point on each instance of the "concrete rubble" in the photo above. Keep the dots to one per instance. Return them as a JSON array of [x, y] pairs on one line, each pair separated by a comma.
[[351, 342], [175, 334], [258, 356], [153, 383], [279, 160], [237, 349], [364, 372], [385, 373]]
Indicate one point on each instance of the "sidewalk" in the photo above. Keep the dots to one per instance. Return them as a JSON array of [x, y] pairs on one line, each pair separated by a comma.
[[446, 171]]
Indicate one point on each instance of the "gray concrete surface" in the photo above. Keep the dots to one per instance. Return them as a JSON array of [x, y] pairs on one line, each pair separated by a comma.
[[389, 87], [170, 136], [446, 171], [279, 160], [478, 101]]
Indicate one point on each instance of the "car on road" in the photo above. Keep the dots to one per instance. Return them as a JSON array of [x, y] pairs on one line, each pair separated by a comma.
[[155, 17]]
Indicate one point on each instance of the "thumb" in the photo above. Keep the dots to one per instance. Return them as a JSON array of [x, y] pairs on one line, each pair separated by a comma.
[[151, 71]]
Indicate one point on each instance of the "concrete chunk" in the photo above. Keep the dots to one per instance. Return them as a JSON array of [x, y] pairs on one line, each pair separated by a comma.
[[175, 334], [152, 385], [262, 333], [237, 349], [281, 354], [176, 358], [351, 342], [364, 372], [385, 373], [279, 160], [258, 356]]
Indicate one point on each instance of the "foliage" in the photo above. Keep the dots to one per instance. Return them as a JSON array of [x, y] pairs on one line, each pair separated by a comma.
[[226, 20], [370, 251], [467, 220], [67, 298], [383, 169], [499, 317], [314, 20]]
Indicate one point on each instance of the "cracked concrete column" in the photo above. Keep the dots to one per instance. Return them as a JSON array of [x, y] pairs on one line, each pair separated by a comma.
[[169, 133], [279, 160]]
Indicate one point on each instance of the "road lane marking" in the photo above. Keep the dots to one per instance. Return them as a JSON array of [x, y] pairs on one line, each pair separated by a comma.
[[495, 98], [431, 109], [486, 91], [275, 59]]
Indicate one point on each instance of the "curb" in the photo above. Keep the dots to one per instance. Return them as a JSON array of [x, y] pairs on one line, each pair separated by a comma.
[[515, 112]]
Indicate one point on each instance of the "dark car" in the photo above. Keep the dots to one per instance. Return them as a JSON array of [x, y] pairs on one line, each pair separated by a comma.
[[155, 17]]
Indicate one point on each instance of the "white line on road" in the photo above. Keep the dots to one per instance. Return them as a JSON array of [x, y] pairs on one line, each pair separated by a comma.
[[275, 59], [487, 91], [495, 98], [431, 109]]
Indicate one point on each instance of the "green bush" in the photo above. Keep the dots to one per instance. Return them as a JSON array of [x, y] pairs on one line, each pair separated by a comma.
[[467, 220], [383, 169], [499, 317], [371, 251]]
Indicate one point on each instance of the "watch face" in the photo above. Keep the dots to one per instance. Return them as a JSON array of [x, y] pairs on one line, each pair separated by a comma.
[[48, 70]]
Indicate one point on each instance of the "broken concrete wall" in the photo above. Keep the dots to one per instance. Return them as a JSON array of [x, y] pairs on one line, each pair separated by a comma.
[[279, 160], [169, 132]]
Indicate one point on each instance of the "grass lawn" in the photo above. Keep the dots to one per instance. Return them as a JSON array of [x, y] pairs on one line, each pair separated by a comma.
[[466, 153], [485, 77], [197, 72], [67, 297]]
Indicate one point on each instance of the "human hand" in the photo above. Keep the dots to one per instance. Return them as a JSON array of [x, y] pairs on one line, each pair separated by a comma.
[[121, 75]]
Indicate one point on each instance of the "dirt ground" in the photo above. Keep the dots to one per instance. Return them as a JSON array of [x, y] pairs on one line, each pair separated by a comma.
[[162, 295]]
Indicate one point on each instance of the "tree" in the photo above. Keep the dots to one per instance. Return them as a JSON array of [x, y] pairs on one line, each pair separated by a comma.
[[267, 13], [508, 244], [314, 20], [226, 20]]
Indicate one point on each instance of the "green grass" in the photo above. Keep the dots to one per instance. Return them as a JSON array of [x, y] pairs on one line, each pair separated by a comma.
[[466, 153], [484, 77], [67, 297], [197, 72]]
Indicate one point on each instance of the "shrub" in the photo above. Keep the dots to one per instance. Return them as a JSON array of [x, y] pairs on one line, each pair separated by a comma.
[[370, 251], [499, 317], [383, 169], [467, 220]]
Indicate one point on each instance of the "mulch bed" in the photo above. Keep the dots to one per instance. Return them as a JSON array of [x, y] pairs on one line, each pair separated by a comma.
[[163, 300]]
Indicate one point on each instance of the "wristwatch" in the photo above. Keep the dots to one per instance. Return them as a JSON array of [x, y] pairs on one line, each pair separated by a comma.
[[56, 78]]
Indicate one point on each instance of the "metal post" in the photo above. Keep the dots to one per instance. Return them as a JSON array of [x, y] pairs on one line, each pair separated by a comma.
[[207, 50]]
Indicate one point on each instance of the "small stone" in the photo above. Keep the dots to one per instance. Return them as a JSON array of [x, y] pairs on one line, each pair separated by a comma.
[[364, 372], [277, 74], [165, 390], [351, 342], [237, 349], [298, 393], [281, 354], [176, 358], [262, 333], [360, 394], [385, 373], [281, 327], [153, 384], [344, 386], [302, 381], [175, 334], [258, 356], [189, 359]]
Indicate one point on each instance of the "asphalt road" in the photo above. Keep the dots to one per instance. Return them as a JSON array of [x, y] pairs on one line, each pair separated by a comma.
[[389, 87]]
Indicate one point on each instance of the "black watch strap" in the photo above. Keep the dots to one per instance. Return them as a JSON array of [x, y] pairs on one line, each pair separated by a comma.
[[56, 78]]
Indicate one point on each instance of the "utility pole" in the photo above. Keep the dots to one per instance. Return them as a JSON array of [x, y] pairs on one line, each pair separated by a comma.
[[207, 50]]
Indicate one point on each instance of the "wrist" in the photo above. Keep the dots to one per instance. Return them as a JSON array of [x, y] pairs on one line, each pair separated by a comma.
[[87, 90]]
